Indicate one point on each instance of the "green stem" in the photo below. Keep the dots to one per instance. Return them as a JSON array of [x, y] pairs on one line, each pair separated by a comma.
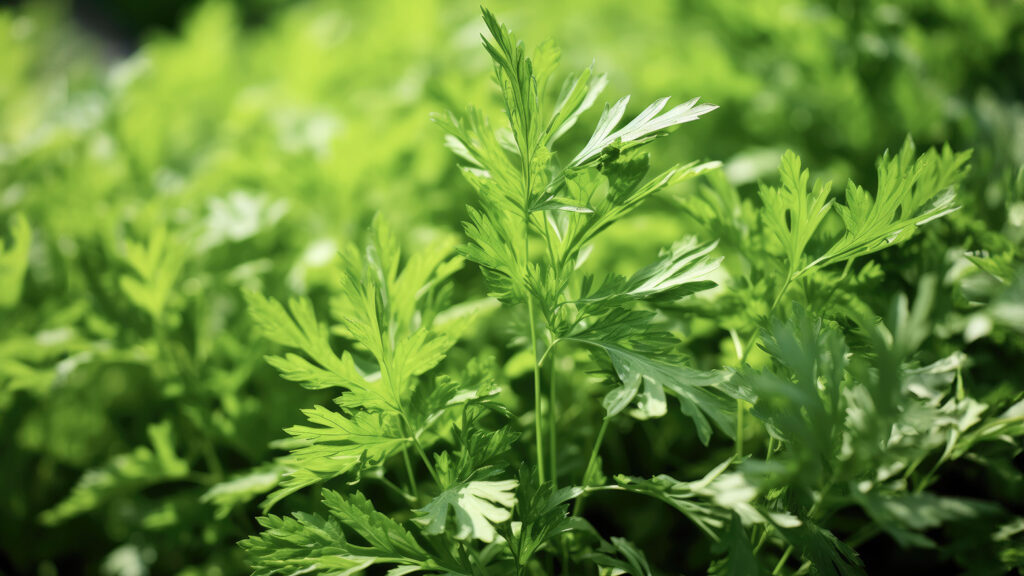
[[578, 506], [407, 430], [846, 269], [538, 430], [741, 409], [552, 428], [782, 561], [423, 456], [408, 470]]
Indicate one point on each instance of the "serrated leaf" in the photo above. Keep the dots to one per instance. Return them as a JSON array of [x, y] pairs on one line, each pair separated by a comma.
[[791, 213], [695, 390], [302, 544], [242, 488], [476, 507], [646, 125]]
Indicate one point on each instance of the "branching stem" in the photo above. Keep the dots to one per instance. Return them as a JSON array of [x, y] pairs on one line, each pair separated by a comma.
[[419, 450]]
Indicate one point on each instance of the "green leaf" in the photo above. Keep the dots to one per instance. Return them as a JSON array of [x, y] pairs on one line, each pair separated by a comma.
[[337, 444], [386, 537], [476, 506], [828, 555], [14, 261], [242, 488], [578, 94], [679, 273], [123, 474], [911, 193], [157, 265], [790, 212], [621, 555], [301, 330], [739, 559], [304, 544], [711, 501], [647, 380], [543, 513], [906, 516], [644, 127], [800, 401]]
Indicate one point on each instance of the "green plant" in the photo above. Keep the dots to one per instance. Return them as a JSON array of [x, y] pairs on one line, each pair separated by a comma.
[[849, 417], [151, 195]]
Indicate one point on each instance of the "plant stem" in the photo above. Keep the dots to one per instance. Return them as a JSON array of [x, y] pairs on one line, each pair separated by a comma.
[[578, 506], [538, 430], [407, 430], [552, 428], [408, 470], [740, 410], [423, 456], [782, 561]]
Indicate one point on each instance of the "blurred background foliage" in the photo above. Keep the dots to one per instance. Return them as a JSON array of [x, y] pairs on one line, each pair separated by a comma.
[[158, 157]]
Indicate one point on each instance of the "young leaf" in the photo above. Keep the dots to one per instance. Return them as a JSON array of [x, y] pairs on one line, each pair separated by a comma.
[[646, 126], [911, 193], [790, 212], [304, 544], [696, 391], [477, 506], [387, 538]]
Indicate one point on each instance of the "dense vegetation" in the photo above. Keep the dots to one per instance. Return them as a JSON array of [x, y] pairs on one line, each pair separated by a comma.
[[259, 313]]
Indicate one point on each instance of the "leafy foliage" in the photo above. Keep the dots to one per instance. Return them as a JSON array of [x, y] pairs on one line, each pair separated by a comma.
[[170, 229]]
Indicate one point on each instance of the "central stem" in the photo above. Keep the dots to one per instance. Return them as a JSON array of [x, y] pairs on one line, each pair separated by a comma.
[[536, 393], [538, 431]]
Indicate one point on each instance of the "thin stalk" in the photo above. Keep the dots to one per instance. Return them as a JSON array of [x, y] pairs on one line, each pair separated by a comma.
[[407, 430], [740, 410], [578, 505], [408, 470], [538, 430], [782, 561], [423, 456], [552, 428]]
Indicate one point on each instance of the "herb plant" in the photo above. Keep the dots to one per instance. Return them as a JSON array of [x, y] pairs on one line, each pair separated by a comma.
[[607, 363], [836, 427]]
